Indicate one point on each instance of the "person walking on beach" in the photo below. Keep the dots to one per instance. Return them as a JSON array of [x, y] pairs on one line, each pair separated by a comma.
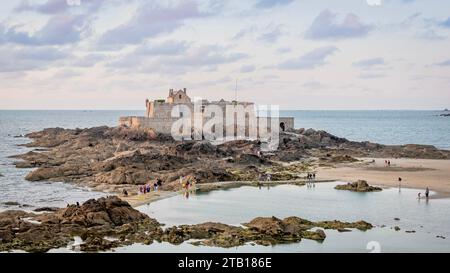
[[427, 192], [399, 184], [418, 195]]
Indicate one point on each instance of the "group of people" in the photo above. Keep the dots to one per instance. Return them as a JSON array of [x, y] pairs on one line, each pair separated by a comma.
[[311, 177], [265, 177], [427, 193], [188, 183], [419, 195], [143, 189], [387, 163]]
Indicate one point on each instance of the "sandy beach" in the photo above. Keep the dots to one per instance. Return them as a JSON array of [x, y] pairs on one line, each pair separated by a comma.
[[415, 173]]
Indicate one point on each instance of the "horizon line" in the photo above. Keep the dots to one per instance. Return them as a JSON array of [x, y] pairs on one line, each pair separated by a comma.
[[143, 110]]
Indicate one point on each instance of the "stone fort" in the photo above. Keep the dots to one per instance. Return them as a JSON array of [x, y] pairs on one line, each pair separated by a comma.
[[159, 116]]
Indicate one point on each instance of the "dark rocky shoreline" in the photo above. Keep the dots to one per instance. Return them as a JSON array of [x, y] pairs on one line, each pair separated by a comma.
[[113, 159], [97, 221]]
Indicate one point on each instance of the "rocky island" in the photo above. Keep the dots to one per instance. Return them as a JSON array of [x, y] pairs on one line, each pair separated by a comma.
[[113, 159]]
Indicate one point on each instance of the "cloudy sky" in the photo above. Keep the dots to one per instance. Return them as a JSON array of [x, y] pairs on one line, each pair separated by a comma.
[[299, 54]]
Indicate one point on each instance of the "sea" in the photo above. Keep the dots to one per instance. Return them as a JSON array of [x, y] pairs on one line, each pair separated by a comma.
[[385, 127]]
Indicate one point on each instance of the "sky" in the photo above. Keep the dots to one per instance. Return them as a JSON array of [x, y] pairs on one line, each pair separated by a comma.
[[298, 54]]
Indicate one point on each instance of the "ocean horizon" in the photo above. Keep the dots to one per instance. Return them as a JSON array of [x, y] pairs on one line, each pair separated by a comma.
[[390, 127]]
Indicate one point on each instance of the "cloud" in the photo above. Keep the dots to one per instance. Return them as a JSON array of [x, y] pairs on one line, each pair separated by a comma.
[[245, 32], [326, 26], [169, 47], [194, 58], [430, 34], [371, 76], [247, 68], [25, 59], [88, 60], [313, 85], [273, 33], [310, 60], [56, 6], [49, 7], [370, 63], [152, 20], [59, 29], [444, 63], [264, 4], [446, 23], [283, 50]]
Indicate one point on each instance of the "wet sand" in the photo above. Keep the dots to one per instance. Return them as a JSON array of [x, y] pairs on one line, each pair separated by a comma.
[[415, 173]]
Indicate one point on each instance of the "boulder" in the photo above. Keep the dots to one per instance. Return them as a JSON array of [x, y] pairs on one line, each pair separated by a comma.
[[359, 186]]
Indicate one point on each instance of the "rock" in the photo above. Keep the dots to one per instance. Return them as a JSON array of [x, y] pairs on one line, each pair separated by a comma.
[[92, 221], [440, 237], [337, 225], [397, 219], [11, 203], [110, 211], [46, 209], [270, 226], [396, 228], [96, 243], [112, 158], [318, 235], [410, 231], [359, 186], [109, 222]]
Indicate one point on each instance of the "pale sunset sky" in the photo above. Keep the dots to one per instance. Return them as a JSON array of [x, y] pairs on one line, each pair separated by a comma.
[[299, 54]]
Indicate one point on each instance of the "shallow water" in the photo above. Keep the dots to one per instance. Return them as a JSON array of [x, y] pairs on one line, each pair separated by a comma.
[[240, 205]]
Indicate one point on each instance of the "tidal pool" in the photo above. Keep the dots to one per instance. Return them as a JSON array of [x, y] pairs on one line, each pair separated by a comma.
[[239, 205], [428, 219]]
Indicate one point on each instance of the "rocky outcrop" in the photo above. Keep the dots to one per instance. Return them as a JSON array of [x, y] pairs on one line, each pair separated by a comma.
[[120, 158], [359, 186], [109, 222], [95, 218]]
